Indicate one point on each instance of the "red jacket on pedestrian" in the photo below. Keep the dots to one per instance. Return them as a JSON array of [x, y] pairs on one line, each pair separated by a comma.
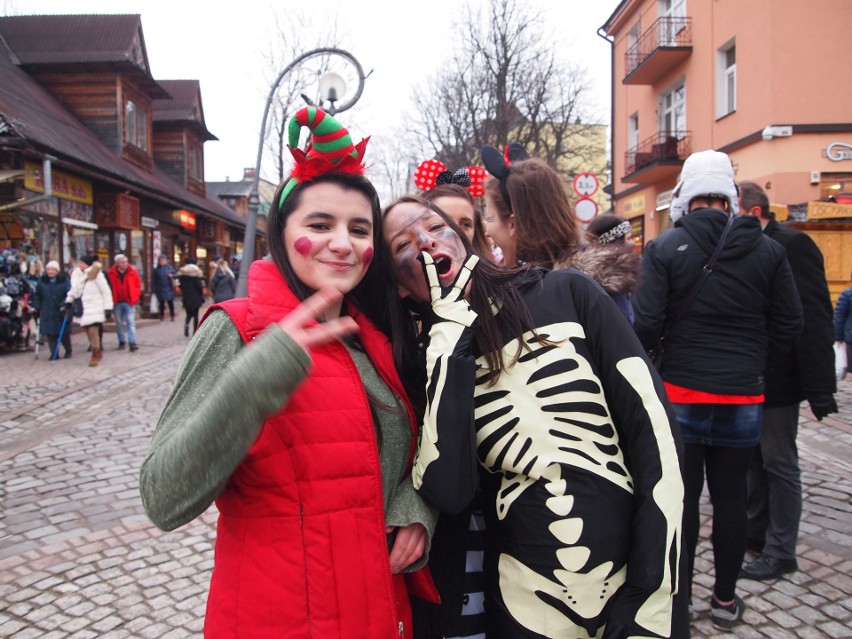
[[125, 289]]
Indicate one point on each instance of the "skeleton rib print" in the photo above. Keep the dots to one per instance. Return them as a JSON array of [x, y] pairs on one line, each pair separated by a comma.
[[561, 396]]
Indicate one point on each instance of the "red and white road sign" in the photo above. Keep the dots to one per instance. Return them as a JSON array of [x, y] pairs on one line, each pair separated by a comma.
[[585, 209], [586, 184]]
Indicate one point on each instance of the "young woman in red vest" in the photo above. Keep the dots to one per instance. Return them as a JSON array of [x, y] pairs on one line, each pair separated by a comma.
[[288, 412]]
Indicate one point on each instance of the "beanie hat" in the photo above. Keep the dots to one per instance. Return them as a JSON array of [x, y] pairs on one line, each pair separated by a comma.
[[608, 228], [52, 264], [705, 173], [330, 150]]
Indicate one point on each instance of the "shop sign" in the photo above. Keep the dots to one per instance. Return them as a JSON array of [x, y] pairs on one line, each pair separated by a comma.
[[65, 185], [149, 222], [635, 205], [664, 200], [828, 210], [187, 219], [838, 151]]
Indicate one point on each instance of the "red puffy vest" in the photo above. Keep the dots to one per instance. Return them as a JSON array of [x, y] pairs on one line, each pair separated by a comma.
[[301, 549]]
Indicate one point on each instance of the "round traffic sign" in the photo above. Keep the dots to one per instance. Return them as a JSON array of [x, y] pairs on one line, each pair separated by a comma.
[[585, 184], [585, 209]]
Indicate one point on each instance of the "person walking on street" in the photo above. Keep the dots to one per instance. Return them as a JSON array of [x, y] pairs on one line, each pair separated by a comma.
[[163, 286], [126, 290], [223, 284], [806, 372], [89, 284], [843, 322], [51, 289], [192, 290], [716, 342]]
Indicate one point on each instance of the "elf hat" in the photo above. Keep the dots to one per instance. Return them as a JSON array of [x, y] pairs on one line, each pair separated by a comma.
[[330, 149], [705, 173]]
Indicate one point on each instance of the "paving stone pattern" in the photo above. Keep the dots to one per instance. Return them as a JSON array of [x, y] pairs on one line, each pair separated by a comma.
[[79, 559]]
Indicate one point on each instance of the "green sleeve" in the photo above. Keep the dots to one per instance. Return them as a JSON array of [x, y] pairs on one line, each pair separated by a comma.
[[408, 507], [223, 393]]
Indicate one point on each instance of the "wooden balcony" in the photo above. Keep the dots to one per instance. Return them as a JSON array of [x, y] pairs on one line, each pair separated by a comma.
[[657, 158], [661, 48]]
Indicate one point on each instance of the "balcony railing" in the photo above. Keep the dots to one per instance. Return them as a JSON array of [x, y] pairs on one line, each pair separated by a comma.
[[664, 34], [663, 148]]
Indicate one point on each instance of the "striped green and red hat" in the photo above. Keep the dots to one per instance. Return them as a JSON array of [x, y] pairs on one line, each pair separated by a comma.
[[330, 149]]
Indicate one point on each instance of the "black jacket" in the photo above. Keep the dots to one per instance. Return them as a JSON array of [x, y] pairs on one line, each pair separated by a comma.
[[807, 371], [747, 308], [48, 299]]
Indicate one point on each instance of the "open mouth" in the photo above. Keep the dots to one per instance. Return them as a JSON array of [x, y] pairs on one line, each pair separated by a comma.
[[443, 265]]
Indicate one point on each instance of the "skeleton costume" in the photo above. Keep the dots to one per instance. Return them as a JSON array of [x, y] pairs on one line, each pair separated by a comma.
[[579, 459]]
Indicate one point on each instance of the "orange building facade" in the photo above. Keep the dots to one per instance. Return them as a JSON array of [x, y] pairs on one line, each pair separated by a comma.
[[762, 81]]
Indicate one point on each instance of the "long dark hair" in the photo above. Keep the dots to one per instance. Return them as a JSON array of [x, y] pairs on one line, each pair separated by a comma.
[[491, 285], [373, 295]]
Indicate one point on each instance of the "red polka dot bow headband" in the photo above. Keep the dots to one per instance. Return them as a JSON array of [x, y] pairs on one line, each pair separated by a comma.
[[431, 173]]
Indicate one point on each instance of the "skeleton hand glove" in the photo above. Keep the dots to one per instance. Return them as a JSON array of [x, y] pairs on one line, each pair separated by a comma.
[[450, 371]]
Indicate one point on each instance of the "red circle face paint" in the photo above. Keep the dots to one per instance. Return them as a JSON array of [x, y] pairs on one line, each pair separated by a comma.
[[303, 246], [367, 257]]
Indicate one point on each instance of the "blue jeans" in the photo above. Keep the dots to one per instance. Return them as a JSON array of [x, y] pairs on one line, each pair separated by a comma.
[[775, 484], [734, 425], [124, 312]]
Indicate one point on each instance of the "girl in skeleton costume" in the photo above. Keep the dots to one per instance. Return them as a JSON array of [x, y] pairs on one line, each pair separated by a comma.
[[577, 445]]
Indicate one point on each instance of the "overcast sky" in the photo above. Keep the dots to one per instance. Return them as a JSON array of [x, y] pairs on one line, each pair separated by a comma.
[[224, 44]]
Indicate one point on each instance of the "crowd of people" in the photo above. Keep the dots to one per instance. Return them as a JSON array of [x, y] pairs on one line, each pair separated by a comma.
[[464, 416], [87, 295]]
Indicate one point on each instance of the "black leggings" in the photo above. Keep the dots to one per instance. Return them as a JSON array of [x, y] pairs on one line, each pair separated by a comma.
[[192, 314], [162, 307], [727, 469]]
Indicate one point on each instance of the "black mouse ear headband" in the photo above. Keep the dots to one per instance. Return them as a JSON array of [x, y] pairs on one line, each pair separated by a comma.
[[497, 164]]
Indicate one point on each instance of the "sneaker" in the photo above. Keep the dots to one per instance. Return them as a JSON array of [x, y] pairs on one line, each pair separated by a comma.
[[765, 568], [726, 616], [133, 347], [121, 346]]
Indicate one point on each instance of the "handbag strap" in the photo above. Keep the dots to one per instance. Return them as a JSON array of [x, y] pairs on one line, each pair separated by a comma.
[[705, 273]]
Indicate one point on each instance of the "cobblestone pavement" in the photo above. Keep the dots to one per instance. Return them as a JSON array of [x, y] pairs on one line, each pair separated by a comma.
[[79, 559]]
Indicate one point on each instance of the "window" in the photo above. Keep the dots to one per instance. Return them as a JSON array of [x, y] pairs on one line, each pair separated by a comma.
[[633, 131], [135, 126], [674, 12], [194, 163], [726, 79], [672, 110]]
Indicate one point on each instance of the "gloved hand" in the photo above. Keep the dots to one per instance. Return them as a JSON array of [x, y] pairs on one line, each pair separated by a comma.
[[67, 309], [822, 405], [108, 315], [450, 305]]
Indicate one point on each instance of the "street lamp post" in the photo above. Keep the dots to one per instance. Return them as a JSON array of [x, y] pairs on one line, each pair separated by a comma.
[[331, 89]]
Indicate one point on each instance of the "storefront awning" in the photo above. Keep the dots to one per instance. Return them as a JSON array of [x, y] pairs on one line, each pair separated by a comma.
[[9, 175]]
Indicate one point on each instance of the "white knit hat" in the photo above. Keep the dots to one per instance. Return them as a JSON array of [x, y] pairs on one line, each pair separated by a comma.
[[705, 173], [52, 264]]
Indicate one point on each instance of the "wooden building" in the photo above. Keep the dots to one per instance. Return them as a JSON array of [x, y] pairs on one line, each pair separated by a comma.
[[96, 156]]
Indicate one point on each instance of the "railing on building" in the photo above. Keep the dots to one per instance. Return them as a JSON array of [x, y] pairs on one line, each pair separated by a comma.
[[670, 147], [665, 32]]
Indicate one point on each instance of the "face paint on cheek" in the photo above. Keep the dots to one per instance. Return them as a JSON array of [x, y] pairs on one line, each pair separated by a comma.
[[303, 246], [367, 258]]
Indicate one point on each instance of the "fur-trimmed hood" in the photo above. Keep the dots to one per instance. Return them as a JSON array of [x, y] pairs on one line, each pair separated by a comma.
[[616, 267], [93, 270], [192, 270]]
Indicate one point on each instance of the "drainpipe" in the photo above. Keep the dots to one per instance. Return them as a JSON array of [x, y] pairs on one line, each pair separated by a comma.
[[612, 173], [48, 188]]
